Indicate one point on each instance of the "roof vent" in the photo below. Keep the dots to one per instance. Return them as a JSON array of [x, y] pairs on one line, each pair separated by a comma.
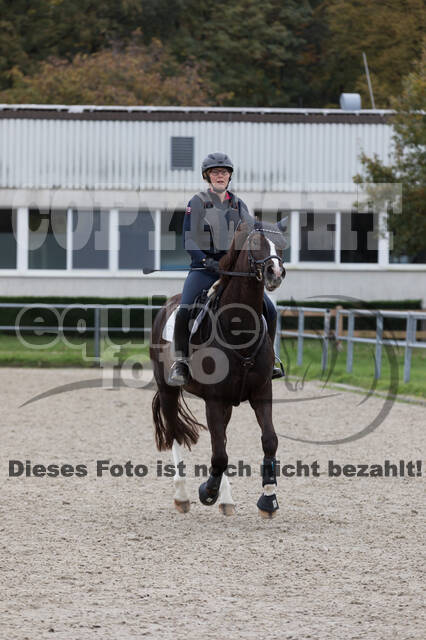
[[182, 152], [350, 101]]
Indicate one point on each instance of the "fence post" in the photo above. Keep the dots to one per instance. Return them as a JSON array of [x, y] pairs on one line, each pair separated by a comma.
[[326, 337], [379, 339], [410, 336], [350, 351], [300, 330], [97, 336]]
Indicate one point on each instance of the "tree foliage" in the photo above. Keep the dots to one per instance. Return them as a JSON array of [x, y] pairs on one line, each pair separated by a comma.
[[249, 53], [137, 75], [407, 219], [391, 35]]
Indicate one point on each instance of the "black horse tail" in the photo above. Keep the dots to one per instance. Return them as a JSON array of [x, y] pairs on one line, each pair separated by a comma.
[[174, 422]]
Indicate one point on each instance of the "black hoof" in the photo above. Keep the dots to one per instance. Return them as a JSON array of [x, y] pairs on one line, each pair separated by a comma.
[[268, 503], [207, 497]]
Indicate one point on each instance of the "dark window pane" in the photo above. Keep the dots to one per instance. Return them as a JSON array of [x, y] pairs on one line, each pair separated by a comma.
[[182, 153], [47, 239], [90, 237], [173, 254], [359, 237], [137, 250], [7, 239], [317, 237]]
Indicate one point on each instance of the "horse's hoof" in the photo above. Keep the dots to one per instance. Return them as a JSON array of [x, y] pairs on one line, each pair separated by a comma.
[[182, 506], [205, 496], [268, 506], [227, 509], [267, 515]]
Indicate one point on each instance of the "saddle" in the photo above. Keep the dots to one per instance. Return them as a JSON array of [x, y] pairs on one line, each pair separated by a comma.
[[207, 301]]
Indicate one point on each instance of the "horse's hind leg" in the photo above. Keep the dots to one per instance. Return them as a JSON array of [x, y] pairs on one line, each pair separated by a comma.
[[181, 496], [262, 405], [226, 503]]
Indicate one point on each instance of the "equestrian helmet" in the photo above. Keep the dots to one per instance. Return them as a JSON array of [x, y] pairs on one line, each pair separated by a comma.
[[214, 160]]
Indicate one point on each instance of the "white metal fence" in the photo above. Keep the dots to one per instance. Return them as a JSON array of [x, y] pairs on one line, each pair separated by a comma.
[[326, 335]]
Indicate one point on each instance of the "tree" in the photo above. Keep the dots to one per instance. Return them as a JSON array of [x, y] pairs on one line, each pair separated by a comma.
[[251, 50], [389, 32], [409, 167], [137, 75]]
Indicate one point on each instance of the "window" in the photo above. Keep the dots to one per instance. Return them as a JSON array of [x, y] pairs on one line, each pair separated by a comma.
[[173, 254], [182, 153], [90, 236], [317, 237], [359, 237], [7, 239], [136, 232], [47, 239]]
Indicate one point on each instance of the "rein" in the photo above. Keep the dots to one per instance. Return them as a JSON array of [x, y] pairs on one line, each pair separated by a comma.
[[254, 272]]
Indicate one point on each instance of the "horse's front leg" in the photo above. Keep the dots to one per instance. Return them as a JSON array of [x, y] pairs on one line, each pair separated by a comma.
[[216, 414], [262, 405]]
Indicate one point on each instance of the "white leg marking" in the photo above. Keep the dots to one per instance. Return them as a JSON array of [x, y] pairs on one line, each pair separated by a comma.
[[181, 493], [269, 489], [225, 496]]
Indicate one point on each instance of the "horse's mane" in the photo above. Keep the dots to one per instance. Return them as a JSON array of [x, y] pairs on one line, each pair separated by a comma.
[[228, 262]]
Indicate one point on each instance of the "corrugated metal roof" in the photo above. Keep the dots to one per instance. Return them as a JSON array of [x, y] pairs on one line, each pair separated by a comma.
[[317, 150]]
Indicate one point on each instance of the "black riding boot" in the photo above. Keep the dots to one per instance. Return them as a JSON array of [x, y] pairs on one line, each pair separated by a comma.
[[179, 372], [277, 372]]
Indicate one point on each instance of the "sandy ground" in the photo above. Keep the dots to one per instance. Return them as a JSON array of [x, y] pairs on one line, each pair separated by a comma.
[[109, 557]]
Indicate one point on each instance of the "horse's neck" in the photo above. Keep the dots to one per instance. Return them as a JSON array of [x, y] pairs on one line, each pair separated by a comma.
[[243, 290]]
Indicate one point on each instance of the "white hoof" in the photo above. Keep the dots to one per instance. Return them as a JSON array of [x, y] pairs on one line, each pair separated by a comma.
[[227, 509]]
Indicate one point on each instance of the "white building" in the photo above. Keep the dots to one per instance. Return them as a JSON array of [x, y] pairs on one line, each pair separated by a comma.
[[90, 195]]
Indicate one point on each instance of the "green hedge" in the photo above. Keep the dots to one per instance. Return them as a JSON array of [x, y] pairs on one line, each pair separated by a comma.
[[361, 323], [137, 317]]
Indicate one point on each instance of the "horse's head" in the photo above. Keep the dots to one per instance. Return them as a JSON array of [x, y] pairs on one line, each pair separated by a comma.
[[258, 250], [265, 246]]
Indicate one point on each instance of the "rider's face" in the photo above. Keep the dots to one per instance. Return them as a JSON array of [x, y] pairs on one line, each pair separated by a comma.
[[219, 178]]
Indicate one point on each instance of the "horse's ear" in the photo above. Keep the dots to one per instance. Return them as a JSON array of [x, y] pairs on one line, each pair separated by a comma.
[[282, 224]]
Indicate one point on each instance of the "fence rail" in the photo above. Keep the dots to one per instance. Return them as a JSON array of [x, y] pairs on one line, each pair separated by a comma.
[[351, 336]]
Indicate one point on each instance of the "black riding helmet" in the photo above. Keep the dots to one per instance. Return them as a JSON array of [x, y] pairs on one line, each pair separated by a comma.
[[215, 160]]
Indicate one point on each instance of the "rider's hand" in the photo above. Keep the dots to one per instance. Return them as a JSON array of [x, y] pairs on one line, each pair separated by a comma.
[[211, 264]]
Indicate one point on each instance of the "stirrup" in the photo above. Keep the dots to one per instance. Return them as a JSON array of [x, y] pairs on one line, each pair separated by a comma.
[[179, 374], [278, 372]]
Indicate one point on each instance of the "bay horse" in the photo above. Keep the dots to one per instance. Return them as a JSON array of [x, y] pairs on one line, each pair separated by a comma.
[[231, 361]]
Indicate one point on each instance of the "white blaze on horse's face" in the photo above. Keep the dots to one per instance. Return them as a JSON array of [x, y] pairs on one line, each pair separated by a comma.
[[273, 270], [275, 262]]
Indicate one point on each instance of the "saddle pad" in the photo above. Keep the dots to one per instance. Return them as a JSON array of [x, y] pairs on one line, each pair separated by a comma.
[[169, 327]]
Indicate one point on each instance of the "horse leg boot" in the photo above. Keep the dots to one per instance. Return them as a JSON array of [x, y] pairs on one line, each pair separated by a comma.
[[209, 491], [262, 405], [179, 372]]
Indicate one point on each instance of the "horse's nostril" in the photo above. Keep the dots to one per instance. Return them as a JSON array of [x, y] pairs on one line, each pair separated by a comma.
[[270, 270]]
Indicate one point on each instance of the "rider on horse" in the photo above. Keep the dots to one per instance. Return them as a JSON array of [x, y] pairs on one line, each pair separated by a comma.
[[211, 219]]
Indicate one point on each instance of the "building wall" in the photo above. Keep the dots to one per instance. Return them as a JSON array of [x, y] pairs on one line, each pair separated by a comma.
[[287, 162]]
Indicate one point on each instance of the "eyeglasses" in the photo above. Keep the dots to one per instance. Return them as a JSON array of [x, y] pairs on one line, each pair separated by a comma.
[[219, 172]]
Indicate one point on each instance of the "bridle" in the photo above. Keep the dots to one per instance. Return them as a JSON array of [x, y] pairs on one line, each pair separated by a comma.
[[257, 267]]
